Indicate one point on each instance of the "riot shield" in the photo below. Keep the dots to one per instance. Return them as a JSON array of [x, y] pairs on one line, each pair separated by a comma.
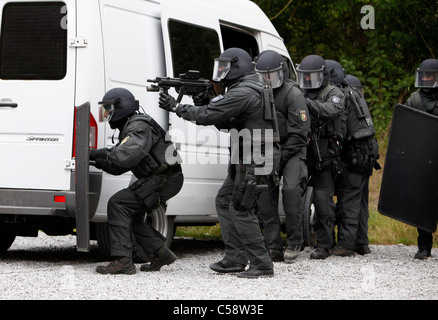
[[409, 189], [82, 177]]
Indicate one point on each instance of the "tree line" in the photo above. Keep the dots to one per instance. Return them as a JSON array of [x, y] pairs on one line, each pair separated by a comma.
[[382, 46]]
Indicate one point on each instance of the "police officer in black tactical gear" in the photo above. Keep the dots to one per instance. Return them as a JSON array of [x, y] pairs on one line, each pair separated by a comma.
[[142, 149], [294, 124], [242, 110], [326, 107], [359, 156], [362, 241], [426, 100]]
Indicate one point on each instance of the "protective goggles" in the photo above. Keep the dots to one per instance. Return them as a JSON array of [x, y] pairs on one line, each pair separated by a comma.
[[106, 109], [221, 68], [273, 78], [310, 79], [426, 78]]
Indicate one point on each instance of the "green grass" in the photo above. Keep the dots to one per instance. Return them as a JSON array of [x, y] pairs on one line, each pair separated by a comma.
[[381, 229]]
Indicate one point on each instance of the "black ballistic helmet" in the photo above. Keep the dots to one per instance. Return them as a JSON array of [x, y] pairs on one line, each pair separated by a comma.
[[123, 101], [336, 72], [426, 76], [233, 63], [353, 81], [270, 64], [312, 72]]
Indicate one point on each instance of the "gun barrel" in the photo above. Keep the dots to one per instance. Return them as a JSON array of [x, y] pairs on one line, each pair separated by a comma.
[[152, 89]]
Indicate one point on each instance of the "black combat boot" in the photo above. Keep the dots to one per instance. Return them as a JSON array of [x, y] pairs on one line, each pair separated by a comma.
[[276, 255], [163, 256], [225, 266], [121, 265], [319, 253], [362, 249], [422, 254], [291, 253], [341, 251], [252, 273]]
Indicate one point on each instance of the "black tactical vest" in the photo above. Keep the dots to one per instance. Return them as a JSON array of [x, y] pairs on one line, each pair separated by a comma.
[[163, 154], [359, 121], [265, 118]]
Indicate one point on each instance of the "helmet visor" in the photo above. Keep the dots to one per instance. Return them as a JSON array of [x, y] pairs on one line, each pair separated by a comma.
[[106, 109], [310, 79], [221, 68], [273, 78], [426, 78]]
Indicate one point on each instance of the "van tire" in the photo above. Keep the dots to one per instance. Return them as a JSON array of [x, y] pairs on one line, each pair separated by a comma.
[[309, 217], [162, 223], [7, 237], [102, 238], [157, 219]]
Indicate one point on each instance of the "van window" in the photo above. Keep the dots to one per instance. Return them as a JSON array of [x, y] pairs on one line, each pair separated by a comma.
[[234, 38], [33, 41], [193, 48]]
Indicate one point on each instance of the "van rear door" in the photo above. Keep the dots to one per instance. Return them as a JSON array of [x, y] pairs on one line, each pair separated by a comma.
[[37, 86]]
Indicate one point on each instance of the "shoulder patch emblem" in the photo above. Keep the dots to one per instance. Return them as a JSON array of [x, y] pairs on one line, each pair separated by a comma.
[[217, 98], [303, 115], [125, 140], [336, 99]]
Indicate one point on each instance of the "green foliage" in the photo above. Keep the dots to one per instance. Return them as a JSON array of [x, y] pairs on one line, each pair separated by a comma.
[[384, 58]]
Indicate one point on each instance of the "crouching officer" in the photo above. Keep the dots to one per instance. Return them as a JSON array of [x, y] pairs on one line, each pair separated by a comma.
[[240, 109], [142, 149]]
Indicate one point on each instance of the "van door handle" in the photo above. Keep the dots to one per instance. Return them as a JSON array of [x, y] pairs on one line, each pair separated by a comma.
[[8, 105]]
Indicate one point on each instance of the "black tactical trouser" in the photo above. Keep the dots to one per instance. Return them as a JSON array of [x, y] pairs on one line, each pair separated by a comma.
[[126, 218], [295, 176], [323, 185], [364, 215], [424, 240], [267, 211], [353, 210], [241, 232]]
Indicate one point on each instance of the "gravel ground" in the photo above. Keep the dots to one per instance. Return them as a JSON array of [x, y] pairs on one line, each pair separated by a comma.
[[48, 268]]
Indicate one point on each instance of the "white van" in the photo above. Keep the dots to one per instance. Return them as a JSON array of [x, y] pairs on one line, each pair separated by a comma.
[[58, 55]]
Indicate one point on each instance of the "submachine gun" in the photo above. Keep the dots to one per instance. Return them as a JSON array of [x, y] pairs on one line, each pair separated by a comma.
[[189, 83]]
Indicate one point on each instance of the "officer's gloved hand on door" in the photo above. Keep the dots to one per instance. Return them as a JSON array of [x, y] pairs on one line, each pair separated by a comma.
[[97, 157]]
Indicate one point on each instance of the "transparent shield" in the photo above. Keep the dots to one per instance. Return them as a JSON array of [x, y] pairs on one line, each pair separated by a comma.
[[106, 110], [310, 79], [426, 78], [274, 78], [220, 69]]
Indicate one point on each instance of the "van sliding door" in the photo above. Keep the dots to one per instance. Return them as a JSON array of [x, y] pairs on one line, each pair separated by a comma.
[[192, 39], [37, 78]]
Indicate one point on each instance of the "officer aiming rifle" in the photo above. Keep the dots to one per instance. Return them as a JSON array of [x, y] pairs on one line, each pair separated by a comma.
[[189, 83]]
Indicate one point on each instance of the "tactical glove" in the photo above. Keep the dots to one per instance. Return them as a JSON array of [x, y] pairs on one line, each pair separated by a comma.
[[201, 99], [99, 153], [167, 102]]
